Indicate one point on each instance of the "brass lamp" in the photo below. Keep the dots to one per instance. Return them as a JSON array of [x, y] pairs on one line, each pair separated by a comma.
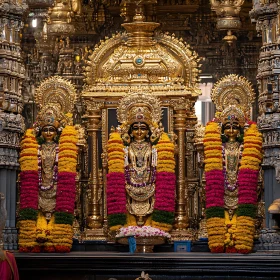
[[227, 17]]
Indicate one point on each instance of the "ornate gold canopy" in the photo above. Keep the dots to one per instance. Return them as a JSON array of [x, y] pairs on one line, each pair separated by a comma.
[[159, 62], [141, 72], [56, 90]]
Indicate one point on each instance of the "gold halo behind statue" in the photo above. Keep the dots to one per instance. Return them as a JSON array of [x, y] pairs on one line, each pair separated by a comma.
[[56, 90], [233, 96], [56, 98]]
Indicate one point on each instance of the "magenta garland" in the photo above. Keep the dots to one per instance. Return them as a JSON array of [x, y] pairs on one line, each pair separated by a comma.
[[116, 197], [66, 192], [165, 195], [248, 182], [214, 188], [29, 189]]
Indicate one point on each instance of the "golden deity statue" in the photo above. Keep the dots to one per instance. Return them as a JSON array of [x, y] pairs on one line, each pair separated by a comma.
[[48, 157], [48, 161], [233, 153], [141, 178], [232, 129], [140, 162]]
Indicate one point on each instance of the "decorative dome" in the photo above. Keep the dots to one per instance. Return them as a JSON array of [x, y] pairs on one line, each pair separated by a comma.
[[141, 56]]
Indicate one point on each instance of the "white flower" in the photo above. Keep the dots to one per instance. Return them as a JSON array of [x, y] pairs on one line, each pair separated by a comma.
[[144, 231]]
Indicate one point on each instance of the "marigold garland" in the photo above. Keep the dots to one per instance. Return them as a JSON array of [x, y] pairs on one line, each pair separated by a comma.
[[116, 195], [237, 234], [35, 234]]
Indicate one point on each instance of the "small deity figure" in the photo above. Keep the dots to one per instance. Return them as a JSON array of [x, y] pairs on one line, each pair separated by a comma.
[[48, 162], [141, 179], [233, 154]]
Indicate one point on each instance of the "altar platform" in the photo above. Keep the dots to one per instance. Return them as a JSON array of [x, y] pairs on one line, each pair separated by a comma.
[[97, 265]]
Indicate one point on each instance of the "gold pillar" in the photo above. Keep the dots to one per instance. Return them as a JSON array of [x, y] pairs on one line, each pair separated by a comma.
[[94, 219], [181, 232], [181, 219]]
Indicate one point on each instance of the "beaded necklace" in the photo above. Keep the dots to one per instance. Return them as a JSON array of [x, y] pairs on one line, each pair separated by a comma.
[[55, 168]]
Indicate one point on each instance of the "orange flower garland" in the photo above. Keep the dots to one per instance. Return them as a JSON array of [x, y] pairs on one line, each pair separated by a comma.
[[214, 187], [28, 192], [66, 190], [163, 215], [116, 194], [247, 191]]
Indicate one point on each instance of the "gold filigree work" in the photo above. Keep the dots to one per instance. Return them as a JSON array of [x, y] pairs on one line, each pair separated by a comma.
[[56, 90], [233, 90], [169, 62]]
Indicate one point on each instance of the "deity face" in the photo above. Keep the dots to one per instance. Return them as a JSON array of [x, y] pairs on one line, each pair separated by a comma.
[[48, 133], [232, 130], [139, 131]]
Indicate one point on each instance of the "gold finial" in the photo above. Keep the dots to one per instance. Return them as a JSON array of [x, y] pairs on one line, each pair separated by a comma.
[[139, 16]]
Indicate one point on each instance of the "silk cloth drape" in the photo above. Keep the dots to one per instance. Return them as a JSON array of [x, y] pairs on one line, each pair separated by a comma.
[[8, 266]]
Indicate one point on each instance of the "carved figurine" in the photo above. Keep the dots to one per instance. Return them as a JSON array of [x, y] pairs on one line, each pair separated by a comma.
[[141, 179], [233, 153]]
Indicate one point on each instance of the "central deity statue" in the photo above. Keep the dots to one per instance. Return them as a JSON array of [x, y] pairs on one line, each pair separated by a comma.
[[141, 177], [140, 163]]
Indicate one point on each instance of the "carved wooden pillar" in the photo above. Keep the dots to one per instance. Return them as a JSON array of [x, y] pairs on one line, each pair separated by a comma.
[[181, 219], [94, 219]]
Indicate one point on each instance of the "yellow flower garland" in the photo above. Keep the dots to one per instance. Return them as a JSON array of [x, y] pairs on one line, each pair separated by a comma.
[[213, 161], [28, 157], [115, 153]]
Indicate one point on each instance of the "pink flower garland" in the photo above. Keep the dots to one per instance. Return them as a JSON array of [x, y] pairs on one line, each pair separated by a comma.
[[116, 196], [29, 189], [165, 194], [248, 182], [66, 192], [214, 188]]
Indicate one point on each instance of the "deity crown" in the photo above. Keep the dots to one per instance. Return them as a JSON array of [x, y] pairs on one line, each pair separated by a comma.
[[49, 115], [140, 114], [233, 114]]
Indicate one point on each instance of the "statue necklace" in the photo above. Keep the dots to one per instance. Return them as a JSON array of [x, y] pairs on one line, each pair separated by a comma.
[[47, 165], [141, 153], [231, 157], [140, 158]]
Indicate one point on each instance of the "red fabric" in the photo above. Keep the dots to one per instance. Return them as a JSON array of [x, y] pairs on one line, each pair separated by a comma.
[[8, 267]]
